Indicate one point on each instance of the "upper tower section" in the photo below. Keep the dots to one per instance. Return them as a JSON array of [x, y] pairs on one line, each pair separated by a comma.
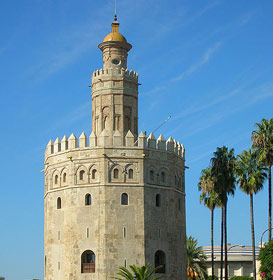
[[115, 89], [114, 48]]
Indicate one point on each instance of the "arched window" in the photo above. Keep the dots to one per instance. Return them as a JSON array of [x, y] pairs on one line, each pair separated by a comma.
[[56, 179], [64, 178], [88, 199], [81, 174], [59, 203], [162, 177], [115, 173], [158, 200], [160, 259], [151, 175], [94, 173], [88, 262], [124, 199], [131, 174], [175, 180]]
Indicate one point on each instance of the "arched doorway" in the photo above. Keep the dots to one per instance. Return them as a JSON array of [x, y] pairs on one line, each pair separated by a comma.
[[88, 262]]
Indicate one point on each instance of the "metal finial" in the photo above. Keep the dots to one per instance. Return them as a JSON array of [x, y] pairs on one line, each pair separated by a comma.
[[115, 17]]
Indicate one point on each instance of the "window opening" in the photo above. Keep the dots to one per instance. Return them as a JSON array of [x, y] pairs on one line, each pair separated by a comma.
[[115, 173], [88, 199], [179, 204], [56, 179], [131, 174], [64, 177], [163, 177], [124, 232], [160, 259], [94, 171], [158, 200], [81, 174], [151, 175], [59, 203], [124, 199]]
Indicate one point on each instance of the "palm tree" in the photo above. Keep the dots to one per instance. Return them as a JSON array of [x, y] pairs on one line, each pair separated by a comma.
[[250, 176], [262, 139], [223, 169], [211, 200], [196, 260], [137, 273]]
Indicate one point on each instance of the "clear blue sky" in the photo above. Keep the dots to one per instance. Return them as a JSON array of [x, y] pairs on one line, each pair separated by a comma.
[[208, 64]]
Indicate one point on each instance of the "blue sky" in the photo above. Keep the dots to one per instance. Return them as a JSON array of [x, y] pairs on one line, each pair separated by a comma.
[[208, 64]]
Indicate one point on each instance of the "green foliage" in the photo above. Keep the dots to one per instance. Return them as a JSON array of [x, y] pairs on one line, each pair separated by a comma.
[[266, 258], [210, 277], [241, 278], [223, 170], [263, 140], [137, 273], [206, 184], [196, 260], [250, 172]]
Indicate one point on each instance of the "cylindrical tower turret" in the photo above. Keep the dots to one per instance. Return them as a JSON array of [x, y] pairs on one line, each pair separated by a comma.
[[115, 88]]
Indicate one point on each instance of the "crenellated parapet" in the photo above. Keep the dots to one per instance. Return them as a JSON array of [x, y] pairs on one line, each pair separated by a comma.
[[105, 140], [106, 74]]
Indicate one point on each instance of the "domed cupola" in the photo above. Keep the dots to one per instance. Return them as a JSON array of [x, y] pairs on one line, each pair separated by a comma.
[[114, 48]]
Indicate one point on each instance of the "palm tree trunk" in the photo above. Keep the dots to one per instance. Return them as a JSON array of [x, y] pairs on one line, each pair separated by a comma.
[[212, 248], [222, 240], [252, 237], [269, 203], [225, 234]]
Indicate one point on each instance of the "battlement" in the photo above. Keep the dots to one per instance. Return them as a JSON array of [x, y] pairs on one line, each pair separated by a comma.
[[116, 141], [109, 73]]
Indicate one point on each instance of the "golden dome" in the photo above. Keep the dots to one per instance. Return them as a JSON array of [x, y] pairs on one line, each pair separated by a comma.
[[115, 35]]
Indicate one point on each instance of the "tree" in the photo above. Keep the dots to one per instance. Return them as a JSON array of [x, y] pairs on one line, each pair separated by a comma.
[[196, 260], [138, 273], [250, 176], [211, 200], [223, 169], [262, 139], [266, 258]]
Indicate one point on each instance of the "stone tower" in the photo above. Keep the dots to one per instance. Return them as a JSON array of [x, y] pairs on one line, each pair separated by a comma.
[[119, 198]]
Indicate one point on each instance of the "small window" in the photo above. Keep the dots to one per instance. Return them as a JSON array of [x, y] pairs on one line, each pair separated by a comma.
[[124, 199], [125, 263], [151, 175], [59, 235], [64, 178], [115, 173], [87, 232], [159, 233], [81, 174], [59, 265], [163, 179], [179, 204], [94, 173], [175, 180], [59, 203], [158, 200], [124, 232], [88, 199], [56, 179], [131, 174]]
